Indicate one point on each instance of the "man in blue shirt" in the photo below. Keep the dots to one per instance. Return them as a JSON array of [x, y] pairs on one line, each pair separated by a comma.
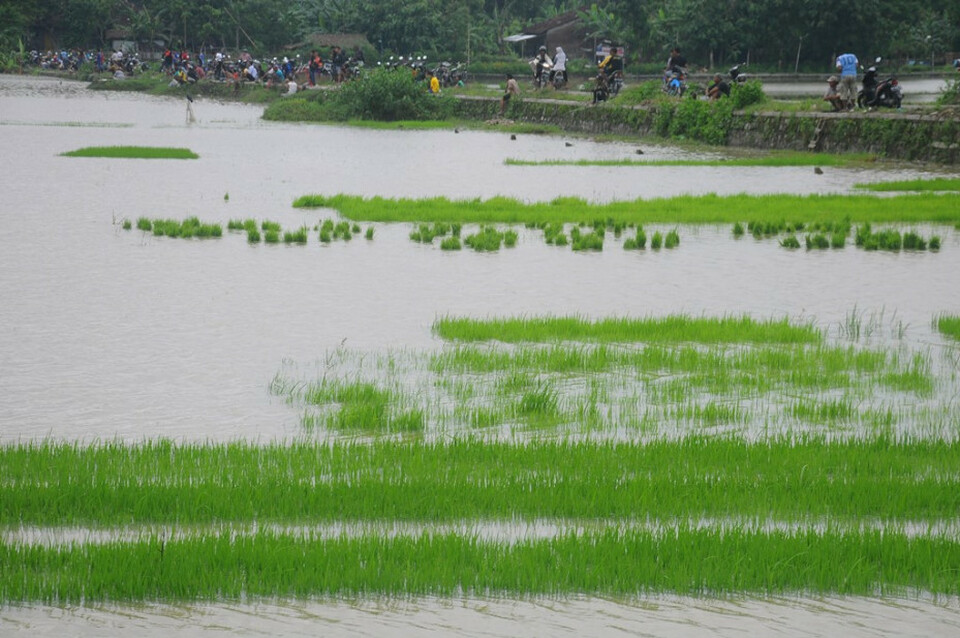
[[847, 68]]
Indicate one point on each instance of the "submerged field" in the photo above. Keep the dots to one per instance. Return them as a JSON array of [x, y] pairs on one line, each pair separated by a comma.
[[527, 456]]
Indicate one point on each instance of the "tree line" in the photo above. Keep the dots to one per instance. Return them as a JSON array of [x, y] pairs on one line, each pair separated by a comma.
[[784, 34]]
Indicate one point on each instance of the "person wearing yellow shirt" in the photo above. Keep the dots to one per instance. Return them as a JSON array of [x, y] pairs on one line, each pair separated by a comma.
[[434, 83]]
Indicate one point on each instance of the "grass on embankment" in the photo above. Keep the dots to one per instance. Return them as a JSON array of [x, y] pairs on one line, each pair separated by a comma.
[[222, 566], [773, 160], [703, 209], [949, 325], [133, 152], [788, 479], [675, 328], [938, 184]]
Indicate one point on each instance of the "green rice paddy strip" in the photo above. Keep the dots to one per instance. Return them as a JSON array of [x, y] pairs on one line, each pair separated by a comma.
[[669, 329], [161, 482], [949, 325], [720, 370], [938, 184], [608, 562], [133, 152], [705, 209], [788, 159]]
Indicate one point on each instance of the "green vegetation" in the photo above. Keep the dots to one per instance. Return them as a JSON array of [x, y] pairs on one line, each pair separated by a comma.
[[675, 328], [939, 184], [379, 95], [133, 152], [706, 209], [190, 227], [949, 325], [773, 160]]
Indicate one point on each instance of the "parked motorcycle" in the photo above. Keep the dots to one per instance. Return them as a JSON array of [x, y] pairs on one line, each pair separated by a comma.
[[886, 93], [738, 76], [675, 82]]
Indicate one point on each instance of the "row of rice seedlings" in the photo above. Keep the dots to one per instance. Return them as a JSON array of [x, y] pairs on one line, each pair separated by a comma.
[[890, 239], [936, 184], [789, 478], [770, 228], [189, 227], [705, 209], [687, 560], [450, 243], [330, 231], [554, 235], [133, 152], [671, 328], [948, 325], [637, 242], [489, 239]]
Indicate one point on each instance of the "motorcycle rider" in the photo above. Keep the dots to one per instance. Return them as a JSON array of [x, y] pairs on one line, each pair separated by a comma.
[[541, 62], [559, 65]]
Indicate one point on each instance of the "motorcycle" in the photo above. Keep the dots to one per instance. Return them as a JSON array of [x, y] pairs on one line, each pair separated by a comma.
[[886, 92], [736, 75], [675, 83], [615, 82]]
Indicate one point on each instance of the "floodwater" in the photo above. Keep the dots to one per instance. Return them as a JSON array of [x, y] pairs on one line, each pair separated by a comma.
[[115, 334]]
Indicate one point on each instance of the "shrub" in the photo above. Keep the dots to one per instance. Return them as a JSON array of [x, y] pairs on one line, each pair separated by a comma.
[[746, 94]]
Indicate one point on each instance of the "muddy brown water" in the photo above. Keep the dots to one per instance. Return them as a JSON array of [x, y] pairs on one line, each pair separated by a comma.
[[117, 334]]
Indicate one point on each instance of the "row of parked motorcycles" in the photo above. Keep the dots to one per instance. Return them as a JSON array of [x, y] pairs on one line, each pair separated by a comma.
[[447, 73]]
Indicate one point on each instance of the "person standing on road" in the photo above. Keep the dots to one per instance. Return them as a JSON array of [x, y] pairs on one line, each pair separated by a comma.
[[847, 64]]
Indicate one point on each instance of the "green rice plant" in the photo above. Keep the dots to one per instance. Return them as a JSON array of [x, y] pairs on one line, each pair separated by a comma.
[[144, 224], [51, 483], [672, 328], [949, 325], [509, 238], [935, 243], [539, 403], [325, 236], [133, 152], [938, 184], [790, 241], [913, 241], [355, 229], [738, 230], [236, 224], [488, 239], [450, 243], [369, 233], [838, 240], [250, 224], [656, 241], [342, 231], [818, 241], [363, 406], [297, 236], [271, 236], [270, 226], [127, 224], [586, 241], [672, 240], [327, 226], [253, 235], [705, 209]]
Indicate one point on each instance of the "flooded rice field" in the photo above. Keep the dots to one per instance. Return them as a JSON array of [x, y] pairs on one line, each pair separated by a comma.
[[119, 334]]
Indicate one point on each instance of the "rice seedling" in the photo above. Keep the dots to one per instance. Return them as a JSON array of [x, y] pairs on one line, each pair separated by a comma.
[[672, 240], [144, 224], [236, 224], [938, 184], [838, 240], [488, 239], [295, 237], [913, 241], [656, 241], [270, 226], [325, 236], [355, 229], [586, 241], [127, 224], [949, 325], [818, 241], [738, 230], [190, 227], [369, 233], [672, 328], [226, 197], [682, 559], [253, 235], [450, 243], [790, 241], [133, 152], [789, 478], [342, 230], [271, 236], [706, 209], [935, 243]]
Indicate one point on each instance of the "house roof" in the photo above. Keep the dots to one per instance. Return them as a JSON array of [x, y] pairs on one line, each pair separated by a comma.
[[554, 22]]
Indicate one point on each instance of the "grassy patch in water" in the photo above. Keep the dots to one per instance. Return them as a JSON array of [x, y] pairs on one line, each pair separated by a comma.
[[938, 184], [607, 562], [789, 479], [186, 229], [775, 160], [949, 325], [705, 209], [133, 152], [673, 328]]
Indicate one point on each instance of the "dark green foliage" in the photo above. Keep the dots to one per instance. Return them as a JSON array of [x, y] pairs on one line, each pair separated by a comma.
[[790, 241], [486, 240], [738, 230], [672, 240], [817, 241], [450, 243], [656, 241], [747, 94], [253, 235], [127, 224], [144, 224], [295, 237], [271, 236], [369, 233]]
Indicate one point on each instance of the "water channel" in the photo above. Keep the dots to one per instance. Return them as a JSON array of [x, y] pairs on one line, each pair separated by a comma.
[[111, 333]]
